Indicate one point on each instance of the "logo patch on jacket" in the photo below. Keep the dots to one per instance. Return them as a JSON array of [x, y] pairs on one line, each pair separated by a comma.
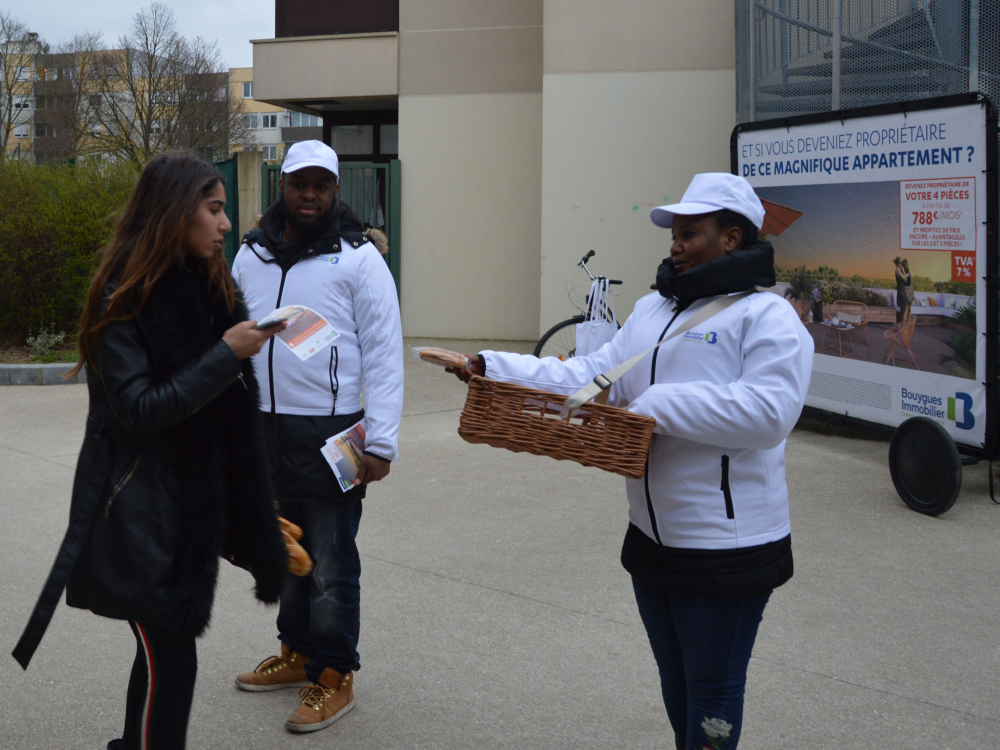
[[331, 259], [703, 338]]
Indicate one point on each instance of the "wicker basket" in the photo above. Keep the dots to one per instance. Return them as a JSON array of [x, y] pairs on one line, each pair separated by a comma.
[[526, 420]]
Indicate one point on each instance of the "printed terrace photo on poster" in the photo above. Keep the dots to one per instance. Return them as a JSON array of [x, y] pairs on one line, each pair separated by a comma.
[[882, 272]]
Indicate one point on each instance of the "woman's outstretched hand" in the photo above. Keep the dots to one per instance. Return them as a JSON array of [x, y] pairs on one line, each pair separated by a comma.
[[245, 341], [465, 374]]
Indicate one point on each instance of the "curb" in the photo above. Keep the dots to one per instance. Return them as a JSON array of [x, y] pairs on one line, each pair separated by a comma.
[[39, 374]]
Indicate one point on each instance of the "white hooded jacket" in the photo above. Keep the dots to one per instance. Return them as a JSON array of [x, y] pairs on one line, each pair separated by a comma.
[[353, 290], [725, 395]]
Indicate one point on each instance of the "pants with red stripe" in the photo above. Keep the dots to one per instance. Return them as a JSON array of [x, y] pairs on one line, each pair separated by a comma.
[[160, 689]]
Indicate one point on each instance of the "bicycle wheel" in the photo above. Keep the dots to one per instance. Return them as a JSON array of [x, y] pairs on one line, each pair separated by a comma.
[[559, 340]]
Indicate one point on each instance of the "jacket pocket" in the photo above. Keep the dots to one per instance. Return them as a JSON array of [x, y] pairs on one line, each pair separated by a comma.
[[121, 485], [726, 492]]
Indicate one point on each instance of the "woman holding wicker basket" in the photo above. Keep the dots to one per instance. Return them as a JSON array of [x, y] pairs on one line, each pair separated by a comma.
[[709, 536]]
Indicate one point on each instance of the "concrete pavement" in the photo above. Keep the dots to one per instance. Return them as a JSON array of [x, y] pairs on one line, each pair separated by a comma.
[[495, 612]]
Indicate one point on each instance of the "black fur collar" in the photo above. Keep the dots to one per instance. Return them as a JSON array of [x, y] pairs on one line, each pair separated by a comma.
[[736, 272]]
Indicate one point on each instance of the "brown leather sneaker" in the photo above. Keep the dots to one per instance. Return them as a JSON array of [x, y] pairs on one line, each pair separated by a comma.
[[276, 672], [323, 703]]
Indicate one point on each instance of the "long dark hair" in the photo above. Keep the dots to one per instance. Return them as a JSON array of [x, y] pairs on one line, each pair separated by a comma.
[[149, 240]]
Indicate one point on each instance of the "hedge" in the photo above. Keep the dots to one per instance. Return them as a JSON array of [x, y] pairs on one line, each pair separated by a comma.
[[53, 221]]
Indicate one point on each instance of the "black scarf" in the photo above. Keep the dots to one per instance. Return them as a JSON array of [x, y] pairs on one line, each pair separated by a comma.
[[340, 221], [736, 272]]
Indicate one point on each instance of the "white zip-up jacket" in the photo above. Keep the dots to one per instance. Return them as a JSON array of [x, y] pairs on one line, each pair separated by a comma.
[[354, 291], [725, 395]]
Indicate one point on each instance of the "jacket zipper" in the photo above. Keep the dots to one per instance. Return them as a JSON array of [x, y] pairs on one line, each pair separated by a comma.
[[121, 485], [726, 493], [270, 349], [334, 380], [645, 476], [221, 390]]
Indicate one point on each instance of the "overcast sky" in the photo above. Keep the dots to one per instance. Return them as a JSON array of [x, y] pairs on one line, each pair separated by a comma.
[[229, 23]]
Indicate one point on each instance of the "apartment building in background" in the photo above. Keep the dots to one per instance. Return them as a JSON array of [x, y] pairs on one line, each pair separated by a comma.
[[528, 132], [264, 121], [17, 93]]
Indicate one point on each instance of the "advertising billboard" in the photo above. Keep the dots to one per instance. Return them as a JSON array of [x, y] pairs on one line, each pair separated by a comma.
[[883, 224]]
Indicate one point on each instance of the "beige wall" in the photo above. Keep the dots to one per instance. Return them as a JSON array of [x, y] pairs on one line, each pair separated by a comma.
[[471, 214], [315, 68], [614, 146], [589, 36], [470, 46]]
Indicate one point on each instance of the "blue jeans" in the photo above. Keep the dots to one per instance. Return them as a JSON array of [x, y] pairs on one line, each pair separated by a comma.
[[702, 648], [320, 614]]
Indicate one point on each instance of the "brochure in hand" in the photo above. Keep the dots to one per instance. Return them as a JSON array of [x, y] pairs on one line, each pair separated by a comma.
[[343, 452], [307, 331]]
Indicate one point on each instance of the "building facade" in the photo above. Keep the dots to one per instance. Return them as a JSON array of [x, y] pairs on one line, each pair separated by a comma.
[[529, 131]]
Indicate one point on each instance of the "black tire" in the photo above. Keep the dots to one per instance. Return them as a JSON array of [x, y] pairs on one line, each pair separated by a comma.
[[925, 466], [559, 340]]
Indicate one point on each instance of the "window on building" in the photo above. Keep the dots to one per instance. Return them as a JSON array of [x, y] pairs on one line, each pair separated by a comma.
[[300, 120], [250, 122], [168, 97], [23, 130], [95, 129], [269, 121], [41, 102], [23, 73], [248, 89], [389, 139], [45, 130], [21, 101], [352, 139], [270, 153]]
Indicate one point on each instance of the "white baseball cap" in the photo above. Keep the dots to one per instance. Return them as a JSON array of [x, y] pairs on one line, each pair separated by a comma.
[[713, 191], [310, 154]]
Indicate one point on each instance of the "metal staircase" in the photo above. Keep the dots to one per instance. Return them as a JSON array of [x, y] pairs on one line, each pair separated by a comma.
[[801, 56]]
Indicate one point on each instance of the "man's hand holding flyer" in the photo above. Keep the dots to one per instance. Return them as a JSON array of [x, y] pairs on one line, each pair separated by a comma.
[[343, 452]]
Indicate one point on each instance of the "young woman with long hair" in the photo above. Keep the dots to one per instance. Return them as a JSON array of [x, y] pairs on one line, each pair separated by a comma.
[[173, 472]]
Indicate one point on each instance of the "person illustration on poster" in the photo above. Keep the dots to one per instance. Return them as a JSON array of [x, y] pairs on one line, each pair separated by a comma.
[[904, 289]]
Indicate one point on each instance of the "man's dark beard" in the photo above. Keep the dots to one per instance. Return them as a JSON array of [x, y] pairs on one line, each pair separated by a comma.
[[307, 227]]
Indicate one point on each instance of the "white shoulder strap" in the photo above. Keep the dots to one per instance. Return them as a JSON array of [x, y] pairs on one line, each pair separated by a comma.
[[606, 380]]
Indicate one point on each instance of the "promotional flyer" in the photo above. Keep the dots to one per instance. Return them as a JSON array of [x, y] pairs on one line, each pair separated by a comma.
[[878, 226]]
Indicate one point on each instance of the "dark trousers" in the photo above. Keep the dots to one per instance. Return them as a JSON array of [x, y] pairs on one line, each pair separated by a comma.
[[702, 648], [160, 690], [320, 614]]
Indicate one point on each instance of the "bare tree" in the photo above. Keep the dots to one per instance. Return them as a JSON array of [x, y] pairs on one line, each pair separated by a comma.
[[17, 51], [159, 91], [65, 97]]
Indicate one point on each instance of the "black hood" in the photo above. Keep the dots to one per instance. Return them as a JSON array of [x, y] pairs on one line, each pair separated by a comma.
[[340, 221], [736, 272]]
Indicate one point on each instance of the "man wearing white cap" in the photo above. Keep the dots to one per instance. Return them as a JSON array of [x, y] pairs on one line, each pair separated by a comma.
[[311, 250], [709, 537]]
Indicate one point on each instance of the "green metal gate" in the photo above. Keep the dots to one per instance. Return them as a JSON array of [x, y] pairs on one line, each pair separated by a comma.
[[231, 175], [372, 190]]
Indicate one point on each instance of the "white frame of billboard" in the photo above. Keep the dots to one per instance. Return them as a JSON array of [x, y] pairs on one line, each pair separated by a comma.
[[980, 441]]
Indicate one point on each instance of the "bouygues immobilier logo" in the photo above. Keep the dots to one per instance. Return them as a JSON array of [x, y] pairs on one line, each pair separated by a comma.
[[957, 408]]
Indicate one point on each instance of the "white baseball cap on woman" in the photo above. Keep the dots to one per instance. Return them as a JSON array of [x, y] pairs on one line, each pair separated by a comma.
[[709, 192], [310, 154]]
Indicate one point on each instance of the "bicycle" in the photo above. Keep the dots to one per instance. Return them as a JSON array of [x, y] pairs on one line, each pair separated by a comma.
[[560, 339]]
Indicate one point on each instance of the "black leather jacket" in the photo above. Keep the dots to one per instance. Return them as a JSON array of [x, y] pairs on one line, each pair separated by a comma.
[[173, 472]]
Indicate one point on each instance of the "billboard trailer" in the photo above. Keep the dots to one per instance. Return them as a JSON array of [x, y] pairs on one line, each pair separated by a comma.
[[888, 251]]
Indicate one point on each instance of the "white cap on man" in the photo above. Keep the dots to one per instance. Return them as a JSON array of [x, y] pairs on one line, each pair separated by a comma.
[[310, 154], [710, 192]]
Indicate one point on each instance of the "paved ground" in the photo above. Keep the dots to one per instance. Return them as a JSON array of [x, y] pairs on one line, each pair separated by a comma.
[[496, 614]]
